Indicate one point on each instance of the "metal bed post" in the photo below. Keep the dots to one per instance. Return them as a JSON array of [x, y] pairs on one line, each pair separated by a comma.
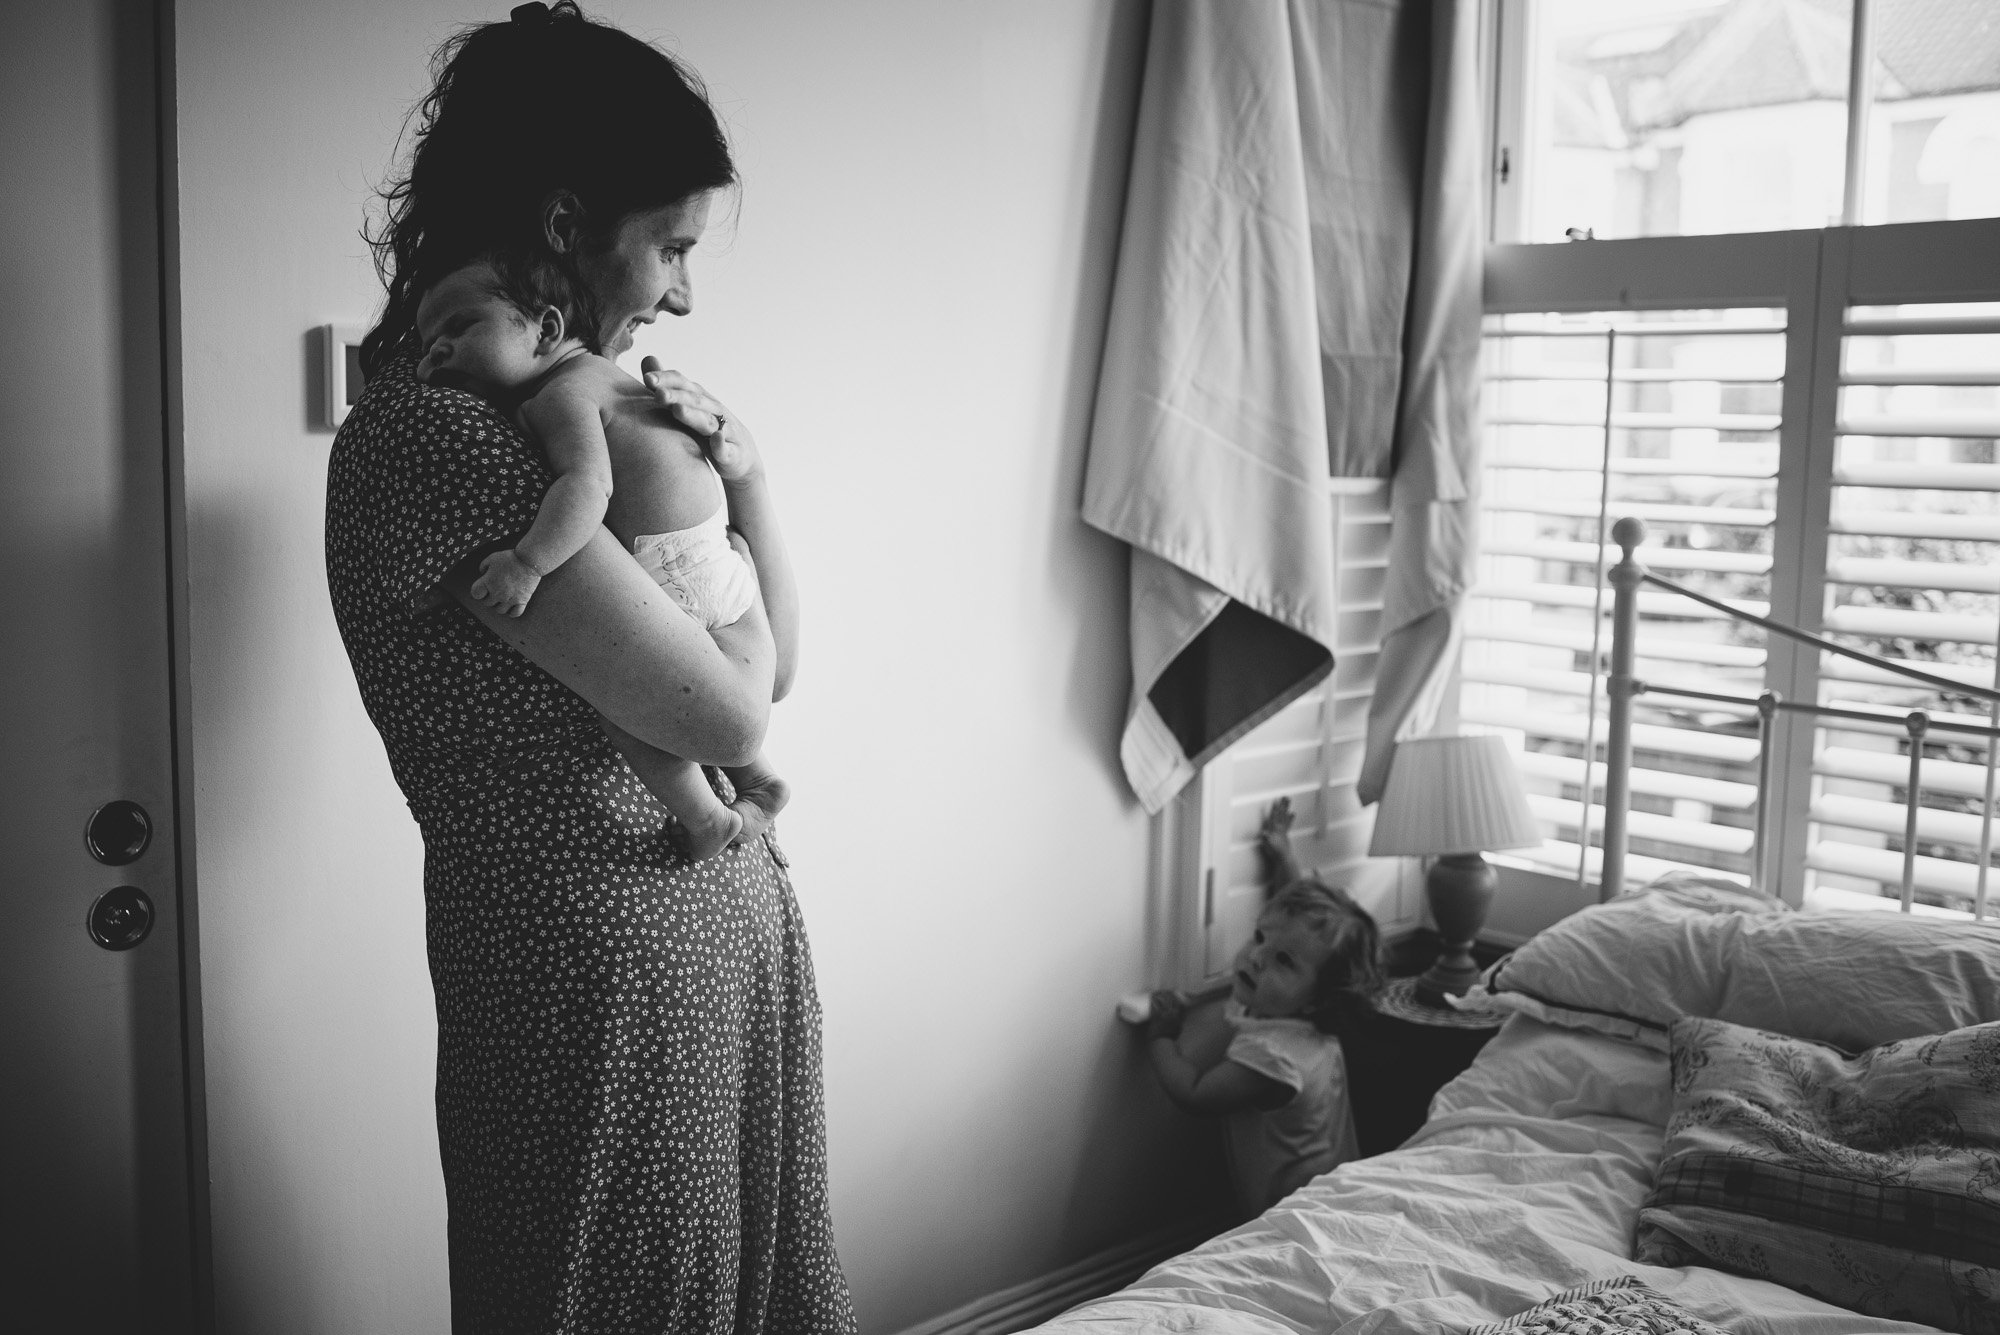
[[1760, 838], [1628, 533], [1918, 723]]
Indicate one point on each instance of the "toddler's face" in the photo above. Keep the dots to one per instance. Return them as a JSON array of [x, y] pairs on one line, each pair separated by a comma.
[[1278, 966], [472, 337]]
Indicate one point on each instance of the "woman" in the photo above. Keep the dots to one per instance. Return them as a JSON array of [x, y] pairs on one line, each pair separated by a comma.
[[628, 1085]]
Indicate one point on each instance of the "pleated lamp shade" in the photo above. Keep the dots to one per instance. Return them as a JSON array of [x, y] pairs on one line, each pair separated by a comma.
[[1453, 795]]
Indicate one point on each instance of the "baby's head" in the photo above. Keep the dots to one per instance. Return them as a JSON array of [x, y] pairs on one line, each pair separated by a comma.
[[1315, 954], [497, 324]]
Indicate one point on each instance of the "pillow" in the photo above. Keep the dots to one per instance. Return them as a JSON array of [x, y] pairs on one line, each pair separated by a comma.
[[1870, 1181], [1539, 1071], [1628, 968], [1624, 1303], [1632, 967]]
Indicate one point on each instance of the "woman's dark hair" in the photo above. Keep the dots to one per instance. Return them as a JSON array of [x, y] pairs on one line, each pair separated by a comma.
[[1350, 977], [518, 111]]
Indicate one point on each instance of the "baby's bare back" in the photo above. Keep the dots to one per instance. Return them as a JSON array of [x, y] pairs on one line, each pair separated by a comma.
[[660, 480]]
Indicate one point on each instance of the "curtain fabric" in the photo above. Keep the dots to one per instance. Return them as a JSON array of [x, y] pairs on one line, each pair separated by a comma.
[[1275, 267], [1434, 494]]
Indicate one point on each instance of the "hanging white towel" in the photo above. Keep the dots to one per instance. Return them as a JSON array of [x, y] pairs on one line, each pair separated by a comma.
[[1209, 446]]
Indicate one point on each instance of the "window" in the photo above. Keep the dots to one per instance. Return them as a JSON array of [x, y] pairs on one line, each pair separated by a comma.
[[1807, 422], [1630, 118], [1674, 417]]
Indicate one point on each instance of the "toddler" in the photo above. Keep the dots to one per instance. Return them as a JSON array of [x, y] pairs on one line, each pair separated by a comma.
[[506, 328], [1306, 974]]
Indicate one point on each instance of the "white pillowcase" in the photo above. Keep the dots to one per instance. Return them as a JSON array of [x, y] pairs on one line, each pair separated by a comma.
[[1631, 967]]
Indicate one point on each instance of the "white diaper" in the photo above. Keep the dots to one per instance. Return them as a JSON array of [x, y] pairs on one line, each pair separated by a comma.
[[700, 570]]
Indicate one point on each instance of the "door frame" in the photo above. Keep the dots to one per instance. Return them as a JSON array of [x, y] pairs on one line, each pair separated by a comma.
[[194, 1111]]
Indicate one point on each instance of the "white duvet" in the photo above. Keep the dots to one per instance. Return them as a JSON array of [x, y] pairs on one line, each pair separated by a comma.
[[1526, 1181]]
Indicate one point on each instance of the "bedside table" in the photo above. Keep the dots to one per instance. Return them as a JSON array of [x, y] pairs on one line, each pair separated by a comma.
[[1404, 1055]]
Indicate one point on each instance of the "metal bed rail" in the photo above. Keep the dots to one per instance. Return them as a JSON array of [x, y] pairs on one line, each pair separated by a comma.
[[1622, 686]]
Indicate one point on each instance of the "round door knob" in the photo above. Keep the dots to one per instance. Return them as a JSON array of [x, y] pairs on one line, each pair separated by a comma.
[[120, 918], [118, 832]]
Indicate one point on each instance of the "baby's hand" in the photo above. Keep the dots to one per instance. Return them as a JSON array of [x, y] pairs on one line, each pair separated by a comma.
[[506, 583], [1168, 1014]]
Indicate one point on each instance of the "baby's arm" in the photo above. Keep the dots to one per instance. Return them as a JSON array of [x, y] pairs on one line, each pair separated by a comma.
[[567, 424]]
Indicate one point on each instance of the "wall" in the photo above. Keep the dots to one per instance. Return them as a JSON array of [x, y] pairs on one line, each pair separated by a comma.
[[908, 309]]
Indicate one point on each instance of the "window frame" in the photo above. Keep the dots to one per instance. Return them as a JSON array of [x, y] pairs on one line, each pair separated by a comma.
[[1815, 276]]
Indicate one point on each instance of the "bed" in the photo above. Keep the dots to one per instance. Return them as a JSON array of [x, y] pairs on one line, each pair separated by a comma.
[[1706, 1111]]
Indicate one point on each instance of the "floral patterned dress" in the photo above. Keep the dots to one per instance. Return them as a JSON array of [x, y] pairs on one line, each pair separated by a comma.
[[628, 1089]]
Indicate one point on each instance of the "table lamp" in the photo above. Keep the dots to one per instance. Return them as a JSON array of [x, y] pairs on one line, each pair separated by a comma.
[[1453, 798]]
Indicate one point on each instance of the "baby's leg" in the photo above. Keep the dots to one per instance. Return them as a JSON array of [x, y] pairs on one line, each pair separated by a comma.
[[760, 795], [706, 826]]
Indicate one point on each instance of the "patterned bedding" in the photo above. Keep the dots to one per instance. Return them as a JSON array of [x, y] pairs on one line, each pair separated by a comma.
[[1526, 1183]]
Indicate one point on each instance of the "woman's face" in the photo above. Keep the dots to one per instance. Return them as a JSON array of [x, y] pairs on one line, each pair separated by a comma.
[[644, 269]]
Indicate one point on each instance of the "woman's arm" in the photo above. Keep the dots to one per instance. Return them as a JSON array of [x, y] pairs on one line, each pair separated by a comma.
[[604, 629], [752, 514], [737, 461]]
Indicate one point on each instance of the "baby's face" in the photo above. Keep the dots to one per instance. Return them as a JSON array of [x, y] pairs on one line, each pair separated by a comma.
[[472, 337], [1278, 967]]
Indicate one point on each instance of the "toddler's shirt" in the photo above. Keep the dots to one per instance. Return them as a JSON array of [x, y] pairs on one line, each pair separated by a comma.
[[1272, 1154]]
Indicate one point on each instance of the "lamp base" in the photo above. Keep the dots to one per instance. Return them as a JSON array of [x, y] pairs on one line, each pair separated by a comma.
[[1459, 889]]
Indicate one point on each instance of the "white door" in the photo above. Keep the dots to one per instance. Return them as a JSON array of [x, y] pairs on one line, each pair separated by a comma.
[[95, 1187]]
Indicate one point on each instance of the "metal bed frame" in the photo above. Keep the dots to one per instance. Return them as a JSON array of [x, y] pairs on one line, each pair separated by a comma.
[[1622, 687]]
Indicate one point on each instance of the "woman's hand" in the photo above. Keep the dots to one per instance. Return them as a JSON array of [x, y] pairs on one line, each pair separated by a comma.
[[727, 442]]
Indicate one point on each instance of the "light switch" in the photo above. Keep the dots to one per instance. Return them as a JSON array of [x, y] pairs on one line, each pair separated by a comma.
[[340, 347]]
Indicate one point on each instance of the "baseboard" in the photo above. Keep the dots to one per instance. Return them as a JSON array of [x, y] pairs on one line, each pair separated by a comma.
[[1030, 1304]]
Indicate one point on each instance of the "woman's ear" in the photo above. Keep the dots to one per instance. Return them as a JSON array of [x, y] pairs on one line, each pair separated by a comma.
[[551, 331], [562, 220]]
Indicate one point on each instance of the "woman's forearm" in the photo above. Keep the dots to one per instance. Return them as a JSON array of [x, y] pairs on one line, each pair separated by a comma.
[[600, 626], [752, 514]]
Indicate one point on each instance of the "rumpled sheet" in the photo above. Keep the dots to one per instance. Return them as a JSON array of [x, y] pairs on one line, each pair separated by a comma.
[[1526, 1181]]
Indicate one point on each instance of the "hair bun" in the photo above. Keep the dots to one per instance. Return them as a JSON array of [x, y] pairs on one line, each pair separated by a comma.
[[532, 14]]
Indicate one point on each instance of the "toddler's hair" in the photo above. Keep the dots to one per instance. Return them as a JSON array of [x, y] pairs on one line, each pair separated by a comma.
[[1351, 974]]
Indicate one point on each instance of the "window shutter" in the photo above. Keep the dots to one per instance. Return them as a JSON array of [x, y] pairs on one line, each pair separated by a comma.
[[1913, 575], [1673, 417], [1309, 752]]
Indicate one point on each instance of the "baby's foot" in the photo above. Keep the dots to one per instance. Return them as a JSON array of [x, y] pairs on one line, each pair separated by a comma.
[[759, 799], [702, 838]]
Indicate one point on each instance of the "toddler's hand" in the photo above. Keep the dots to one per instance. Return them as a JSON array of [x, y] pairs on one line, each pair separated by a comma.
[[506, 583], [1168, 1014]]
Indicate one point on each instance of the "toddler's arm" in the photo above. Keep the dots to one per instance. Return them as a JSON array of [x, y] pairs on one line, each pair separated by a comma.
[[571, 432], [1225, 1087]]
